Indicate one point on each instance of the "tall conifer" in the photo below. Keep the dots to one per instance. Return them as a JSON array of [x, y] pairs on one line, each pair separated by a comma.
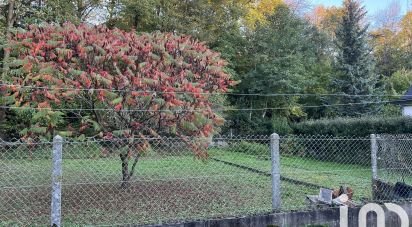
[[355, 66]]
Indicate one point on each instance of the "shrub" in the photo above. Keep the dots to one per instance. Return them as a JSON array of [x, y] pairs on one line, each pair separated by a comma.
[[241, 124], [360, 127], [281, 126], [252, 148], [356, 149]]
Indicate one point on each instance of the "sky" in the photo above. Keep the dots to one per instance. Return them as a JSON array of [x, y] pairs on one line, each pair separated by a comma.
[[372, 6]]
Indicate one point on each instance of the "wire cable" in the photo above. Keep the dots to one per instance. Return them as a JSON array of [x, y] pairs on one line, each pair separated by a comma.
[[201, 93], [193, 110]]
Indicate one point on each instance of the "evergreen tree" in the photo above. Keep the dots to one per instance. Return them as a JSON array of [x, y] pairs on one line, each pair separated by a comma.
[[282, 56], [355, 65]]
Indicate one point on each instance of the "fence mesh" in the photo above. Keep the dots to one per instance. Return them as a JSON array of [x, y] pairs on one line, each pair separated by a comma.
[[394, 167], [314, 162], [169, 184], [25, 183]]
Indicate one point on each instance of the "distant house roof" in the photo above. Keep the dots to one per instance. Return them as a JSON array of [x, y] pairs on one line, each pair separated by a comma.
[[406, 99]]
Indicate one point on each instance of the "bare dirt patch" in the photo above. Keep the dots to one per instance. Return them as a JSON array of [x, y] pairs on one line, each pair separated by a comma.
[[142, 202]]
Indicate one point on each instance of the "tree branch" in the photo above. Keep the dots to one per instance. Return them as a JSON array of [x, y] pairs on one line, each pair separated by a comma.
[[134, 165]]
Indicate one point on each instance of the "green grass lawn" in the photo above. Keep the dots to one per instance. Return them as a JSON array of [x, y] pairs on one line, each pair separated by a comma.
[[322, 173], [165, 188]]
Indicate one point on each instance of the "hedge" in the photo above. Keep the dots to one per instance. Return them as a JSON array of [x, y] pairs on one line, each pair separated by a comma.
[[356, 151], [355, 126]]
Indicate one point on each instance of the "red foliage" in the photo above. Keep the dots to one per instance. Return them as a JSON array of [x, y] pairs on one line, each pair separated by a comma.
[[163, 73]]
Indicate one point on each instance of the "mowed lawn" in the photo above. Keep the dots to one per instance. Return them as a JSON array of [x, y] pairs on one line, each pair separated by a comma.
[[164, 189], [327, 174], [173, 188]]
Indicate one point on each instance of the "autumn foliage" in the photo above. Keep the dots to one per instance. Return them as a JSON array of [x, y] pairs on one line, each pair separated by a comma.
[[114, 82]]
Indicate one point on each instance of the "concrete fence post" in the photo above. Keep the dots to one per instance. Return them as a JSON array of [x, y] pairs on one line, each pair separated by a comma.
[[275, 171], [56, 181], [374, 162]]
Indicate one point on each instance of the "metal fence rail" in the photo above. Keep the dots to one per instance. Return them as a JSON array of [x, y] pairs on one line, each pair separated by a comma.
[[158, 180]]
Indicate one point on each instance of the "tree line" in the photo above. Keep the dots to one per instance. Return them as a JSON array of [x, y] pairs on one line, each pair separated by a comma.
[[271, 47]]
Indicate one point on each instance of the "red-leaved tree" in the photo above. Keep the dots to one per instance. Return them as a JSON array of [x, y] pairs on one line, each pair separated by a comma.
[[118, 84]]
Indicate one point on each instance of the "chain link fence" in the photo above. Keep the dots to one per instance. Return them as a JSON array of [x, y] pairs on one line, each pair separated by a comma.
[[160, 180], [336, 163], [25, 183], [393, 180]]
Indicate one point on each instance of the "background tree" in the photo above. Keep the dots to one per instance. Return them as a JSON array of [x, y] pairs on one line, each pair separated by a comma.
[[354, 63], [116, 84], [326, 19], [202, 19], [391, 55], [285, 56], [405, 39], [299, 7], [387, 53], [395, 87], [399, 83], [257, 12], [215, 22], [248, 34], [385, 40]]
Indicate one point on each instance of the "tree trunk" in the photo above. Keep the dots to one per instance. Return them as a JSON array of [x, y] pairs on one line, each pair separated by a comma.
[[80, 9], [136, 20], [250, 113], [264, 111], [10, 22], [126, 174], [111, 11], [125, 170]]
